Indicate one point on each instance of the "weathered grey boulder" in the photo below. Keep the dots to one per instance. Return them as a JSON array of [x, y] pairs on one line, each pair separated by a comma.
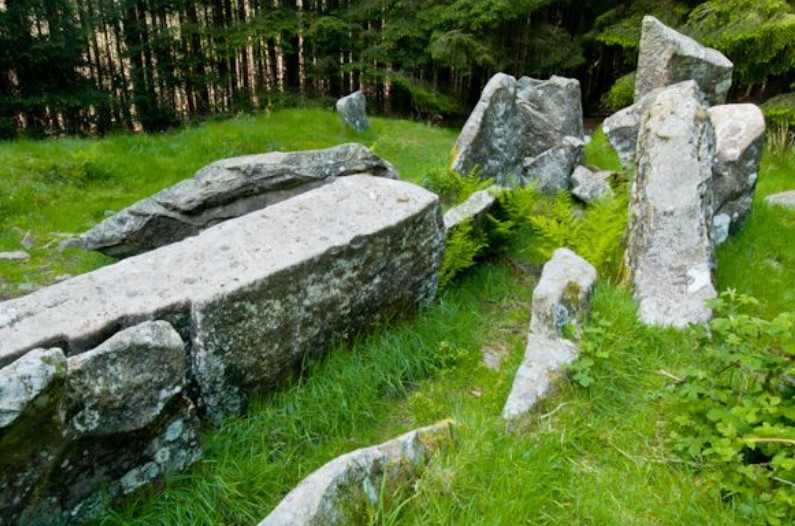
[[667, 57], [551, 170], [670, 251], [31, 392], [621, 129], [226, 189], [353, 111], [783, 199], [343, 490], [255, 294], [475, 208], [561, 300], [740, 136], [94, 426], [590, 186], [515, 120]]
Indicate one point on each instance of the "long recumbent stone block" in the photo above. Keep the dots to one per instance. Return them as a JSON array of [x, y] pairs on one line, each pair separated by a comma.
[[255, 294]]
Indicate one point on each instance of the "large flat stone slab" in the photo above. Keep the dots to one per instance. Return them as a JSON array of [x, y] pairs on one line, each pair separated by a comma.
[[670, 253], [226, 189], [254, 294]]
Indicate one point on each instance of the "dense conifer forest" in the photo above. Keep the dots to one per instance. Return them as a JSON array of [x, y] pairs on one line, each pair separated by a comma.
[[92, 66]]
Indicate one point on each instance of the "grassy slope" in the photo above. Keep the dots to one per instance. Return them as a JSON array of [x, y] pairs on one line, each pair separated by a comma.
[[588, 456], [68, 185]]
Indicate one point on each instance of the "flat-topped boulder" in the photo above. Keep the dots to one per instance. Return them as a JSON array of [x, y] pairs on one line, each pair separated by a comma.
[[669, 247], [667, 57], [225, 189], [253, 295], [521, 122]]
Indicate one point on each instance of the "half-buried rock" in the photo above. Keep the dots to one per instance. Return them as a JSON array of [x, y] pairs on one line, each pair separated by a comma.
[[669, 248], [225, 189], [345, 489], [255, 294]]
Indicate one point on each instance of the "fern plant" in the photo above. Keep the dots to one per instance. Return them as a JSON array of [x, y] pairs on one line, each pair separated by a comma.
[[454, 188]]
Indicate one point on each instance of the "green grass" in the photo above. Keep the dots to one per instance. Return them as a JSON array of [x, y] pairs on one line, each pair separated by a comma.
[[597, 455], [66, 186]]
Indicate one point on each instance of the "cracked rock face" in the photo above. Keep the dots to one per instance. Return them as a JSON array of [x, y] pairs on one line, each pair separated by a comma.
[[226, 189], [668, 57], [669, 246], [516, 120]]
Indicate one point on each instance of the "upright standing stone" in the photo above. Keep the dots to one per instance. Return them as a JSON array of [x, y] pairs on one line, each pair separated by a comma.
[[740, 136], [668, 57], [353, 111], [670, 251], [523, 131]]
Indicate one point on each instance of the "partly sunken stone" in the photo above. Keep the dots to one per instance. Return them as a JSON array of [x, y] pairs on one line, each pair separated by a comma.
[[515, 120], [670, 251], [783, 199], [225, 189], [561, 300], [256, 293], [353, 111], [590, 186], [740, 136], [343, 490], [668, 57], [475, 208], [27, 384]]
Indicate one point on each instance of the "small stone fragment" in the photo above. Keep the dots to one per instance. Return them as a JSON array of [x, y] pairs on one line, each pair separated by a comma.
[[590, 186], [783, 199], [18, 255]]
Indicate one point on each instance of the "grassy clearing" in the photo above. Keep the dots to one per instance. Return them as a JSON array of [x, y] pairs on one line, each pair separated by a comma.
[[598, 455], [55, 188]]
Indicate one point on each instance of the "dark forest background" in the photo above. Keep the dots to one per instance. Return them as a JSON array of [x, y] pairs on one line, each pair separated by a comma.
[[92, 66]]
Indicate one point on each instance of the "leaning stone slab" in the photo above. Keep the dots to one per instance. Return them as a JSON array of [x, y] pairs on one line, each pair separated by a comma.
[[783, 199], [352, 110], [225, 189], [590, 186], [668, 57], [514, 120], [474, 208], [740, 136], [342, 491], [670, 251], [255, 294], [561, 300]]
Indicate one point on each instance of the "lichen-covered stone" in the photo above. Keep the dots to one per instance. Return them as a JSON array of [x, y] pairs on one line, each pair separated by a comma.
[[332, 266], [341, 491], [561, 300], [667, 57], [325, 228], [352, 110], [31, 426], [515, 120], [670, 250], [226, 189], [124, 384], [740, 136], [551, 171]]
